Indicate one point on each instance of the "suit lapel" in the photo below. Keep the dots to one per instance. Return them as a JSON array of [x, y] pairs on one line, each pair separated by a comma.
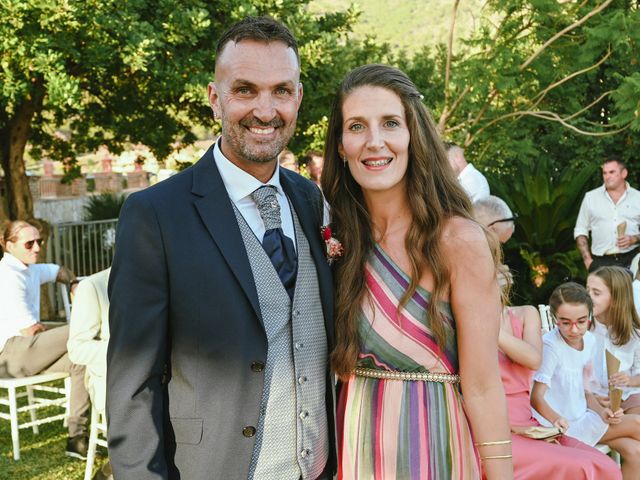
[[216, 211], [303, 207]]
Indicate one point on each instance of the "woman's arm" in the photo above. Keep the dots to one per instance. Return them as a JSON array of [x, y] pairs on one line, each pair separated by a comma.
[[475, 303], [528, 350]]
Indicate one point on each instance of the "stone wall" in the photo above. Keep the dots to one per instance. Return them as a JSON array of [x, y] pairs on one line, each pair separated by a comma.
[[60, 210]]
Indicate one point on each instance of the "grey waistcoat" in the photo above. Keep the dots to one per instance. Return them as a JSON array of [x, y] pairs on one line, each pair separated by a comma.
[[292, 436]]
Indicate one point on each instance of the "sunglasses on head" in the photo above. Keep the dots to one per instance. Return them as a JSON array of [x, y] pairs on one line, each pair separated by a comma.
[[29, 245], [510, 219]]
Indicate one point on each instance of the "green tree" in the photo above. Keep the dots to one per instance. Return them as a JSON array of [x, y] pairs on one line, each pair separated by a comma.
[[539, 95], [112, 73]]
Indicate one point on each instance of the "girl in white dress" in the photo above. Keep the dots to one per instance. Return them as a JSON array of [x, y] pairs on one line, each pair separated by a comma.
[[617, 329], [559, 396]]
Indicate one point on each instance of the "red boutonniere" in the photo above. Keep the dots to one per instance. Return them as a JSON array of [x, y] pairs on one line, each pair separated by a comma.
[[333, 245]]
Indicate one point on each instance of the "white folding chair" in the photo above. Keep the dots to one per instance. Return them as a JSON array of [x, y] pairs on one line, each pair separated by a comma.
[[607, 450], [33, 385], [97, 436], [546, 318], [64, 293]]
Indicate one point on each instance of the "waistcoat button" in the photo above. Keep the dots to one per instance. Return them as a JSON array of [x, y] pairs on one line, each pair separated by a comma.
[[249, 431], [257, 366]]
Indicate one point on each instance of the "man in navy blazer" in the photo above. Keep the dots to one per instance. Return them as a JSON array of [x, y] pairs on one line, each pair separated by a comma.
[[189, 348]]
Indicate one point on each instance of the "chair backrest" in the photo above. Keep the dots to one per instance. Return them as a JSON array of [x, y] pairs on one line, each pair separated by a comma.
[[64, 294], [546, 318], [634, 265]]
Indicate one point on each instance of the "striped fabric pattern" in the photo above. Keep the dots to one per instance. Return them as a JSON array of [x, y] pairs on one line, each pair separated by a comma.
[[391, 429]]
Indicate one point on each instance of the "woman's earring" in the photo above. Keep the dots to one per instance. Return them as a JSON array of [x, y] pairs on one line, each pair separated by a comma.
[[344, 160]]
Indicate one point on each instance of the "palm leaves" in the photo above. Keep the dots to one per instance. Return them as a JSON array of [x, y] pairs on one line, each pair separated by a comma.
[[547, 201]]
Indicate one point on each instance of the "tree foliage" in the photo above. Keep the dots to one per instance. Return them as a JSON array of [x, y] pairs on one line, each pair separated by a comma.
[[540, 95], [112, 73]]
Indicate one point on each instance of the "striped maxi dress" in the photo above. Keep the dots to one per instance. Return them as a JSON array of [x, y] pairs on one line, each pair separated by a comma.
[[395, 429]]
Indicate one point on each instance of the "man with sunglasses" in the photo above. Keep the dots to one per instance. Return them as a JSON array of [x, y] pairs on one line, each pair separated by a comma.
[[27, 347], [495, 214], [497, 217]]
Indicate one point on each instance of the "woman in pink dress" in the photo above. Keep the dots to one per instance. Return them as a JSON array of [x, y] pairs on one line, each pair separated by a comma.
[[520, 354]]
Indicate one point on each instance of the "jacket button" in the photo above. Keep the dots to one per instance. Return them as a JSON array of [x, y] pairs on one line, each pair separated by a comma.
[[249, 431], [257, 366]]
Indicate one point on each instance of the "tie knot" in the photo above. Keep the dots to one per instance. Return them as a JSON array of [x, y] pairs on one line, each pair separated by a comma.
[[268, 206]]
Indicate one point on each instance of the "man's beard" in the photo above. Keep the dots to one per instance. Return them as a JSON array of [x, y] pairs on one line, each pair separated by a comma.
[[234, 135]]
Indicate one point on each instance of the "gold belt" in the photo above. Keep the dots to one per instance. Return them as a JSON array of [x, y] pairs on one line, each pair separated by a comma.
[[411, 376]]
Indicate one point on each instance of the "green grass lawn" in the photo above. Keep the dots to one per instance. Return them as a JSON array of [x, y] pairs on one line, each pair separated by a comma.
[[41, 456]]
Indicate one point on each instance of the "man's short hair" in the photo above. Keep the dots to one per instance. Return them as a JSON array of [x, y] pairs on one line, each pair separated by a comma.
[[492, 206], [616, 160], [260, 29]]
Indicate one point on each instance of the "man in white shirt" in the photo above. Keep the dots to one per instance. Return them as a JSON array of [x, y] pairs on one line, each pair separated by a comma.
[[611, 213], [26, 346], [473, 182]]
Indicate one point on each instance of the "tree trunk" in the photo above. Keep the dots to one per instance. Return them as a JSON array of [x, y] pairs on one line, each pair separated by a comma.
[[13, 140]]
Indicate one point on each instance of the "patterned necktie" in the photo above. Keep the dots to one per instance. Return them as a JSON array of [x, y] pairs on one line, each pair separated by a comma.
[[278, 246]]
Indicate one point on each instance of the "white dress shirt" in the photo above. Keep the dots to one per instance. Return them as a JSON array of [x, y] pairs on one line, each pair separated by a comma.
[[474, 183], [240, 185], [20, 294], [601, 216]]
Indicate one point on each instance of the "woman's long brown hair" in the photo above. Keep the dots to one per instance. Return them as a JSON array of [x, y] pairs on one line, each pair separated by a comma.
[[622, 319], [434, 196]]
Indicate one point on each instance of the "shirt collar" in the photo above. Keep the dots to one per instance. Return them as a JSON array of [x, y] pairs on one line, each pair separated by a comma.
[[606, 192], [13, 262], [240, 184]]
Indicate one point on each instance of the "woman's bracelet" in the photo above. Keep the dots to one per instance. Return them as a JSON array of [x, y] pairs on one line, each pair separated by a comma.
[[497, 442], [496, 457]]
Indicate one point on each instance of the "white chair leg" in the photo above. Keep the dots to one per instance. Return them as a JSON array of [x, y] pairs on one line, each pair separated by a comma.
[[93, 437], [67, 405], [615, 456], [32, 412], [13, 413]]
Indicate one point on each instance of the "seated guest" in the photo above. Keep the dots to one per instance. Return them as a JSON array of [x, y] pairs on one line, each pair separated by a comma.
[[520, 355], [315, 163], [89, 337], [26, 346], [559, 393], [495, 215], [617, 330], [287, 160]]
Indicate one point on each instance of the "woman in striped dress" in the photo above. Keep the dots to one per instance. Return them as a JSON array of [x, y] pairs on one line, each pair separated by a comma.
[[417, 301]]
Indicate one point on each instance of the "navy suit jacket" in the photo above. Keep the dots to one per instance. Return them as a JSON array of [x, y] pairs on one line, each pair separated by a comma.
[[186, 329]]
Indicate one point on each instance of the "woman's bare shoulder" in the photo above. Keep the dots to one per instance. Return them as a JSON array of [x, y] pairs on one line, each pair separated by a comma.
[[460, 235]]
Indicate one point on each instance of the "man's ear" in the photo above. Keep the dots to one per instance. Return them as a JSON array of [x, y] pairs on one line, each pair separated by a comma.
[[300, 92], [212, 93]]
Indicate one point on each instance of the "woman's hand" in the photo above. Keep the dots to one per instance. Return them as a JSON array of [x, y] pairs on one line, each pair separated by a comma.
[[619, 379], [561, 423], [603, 400]]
